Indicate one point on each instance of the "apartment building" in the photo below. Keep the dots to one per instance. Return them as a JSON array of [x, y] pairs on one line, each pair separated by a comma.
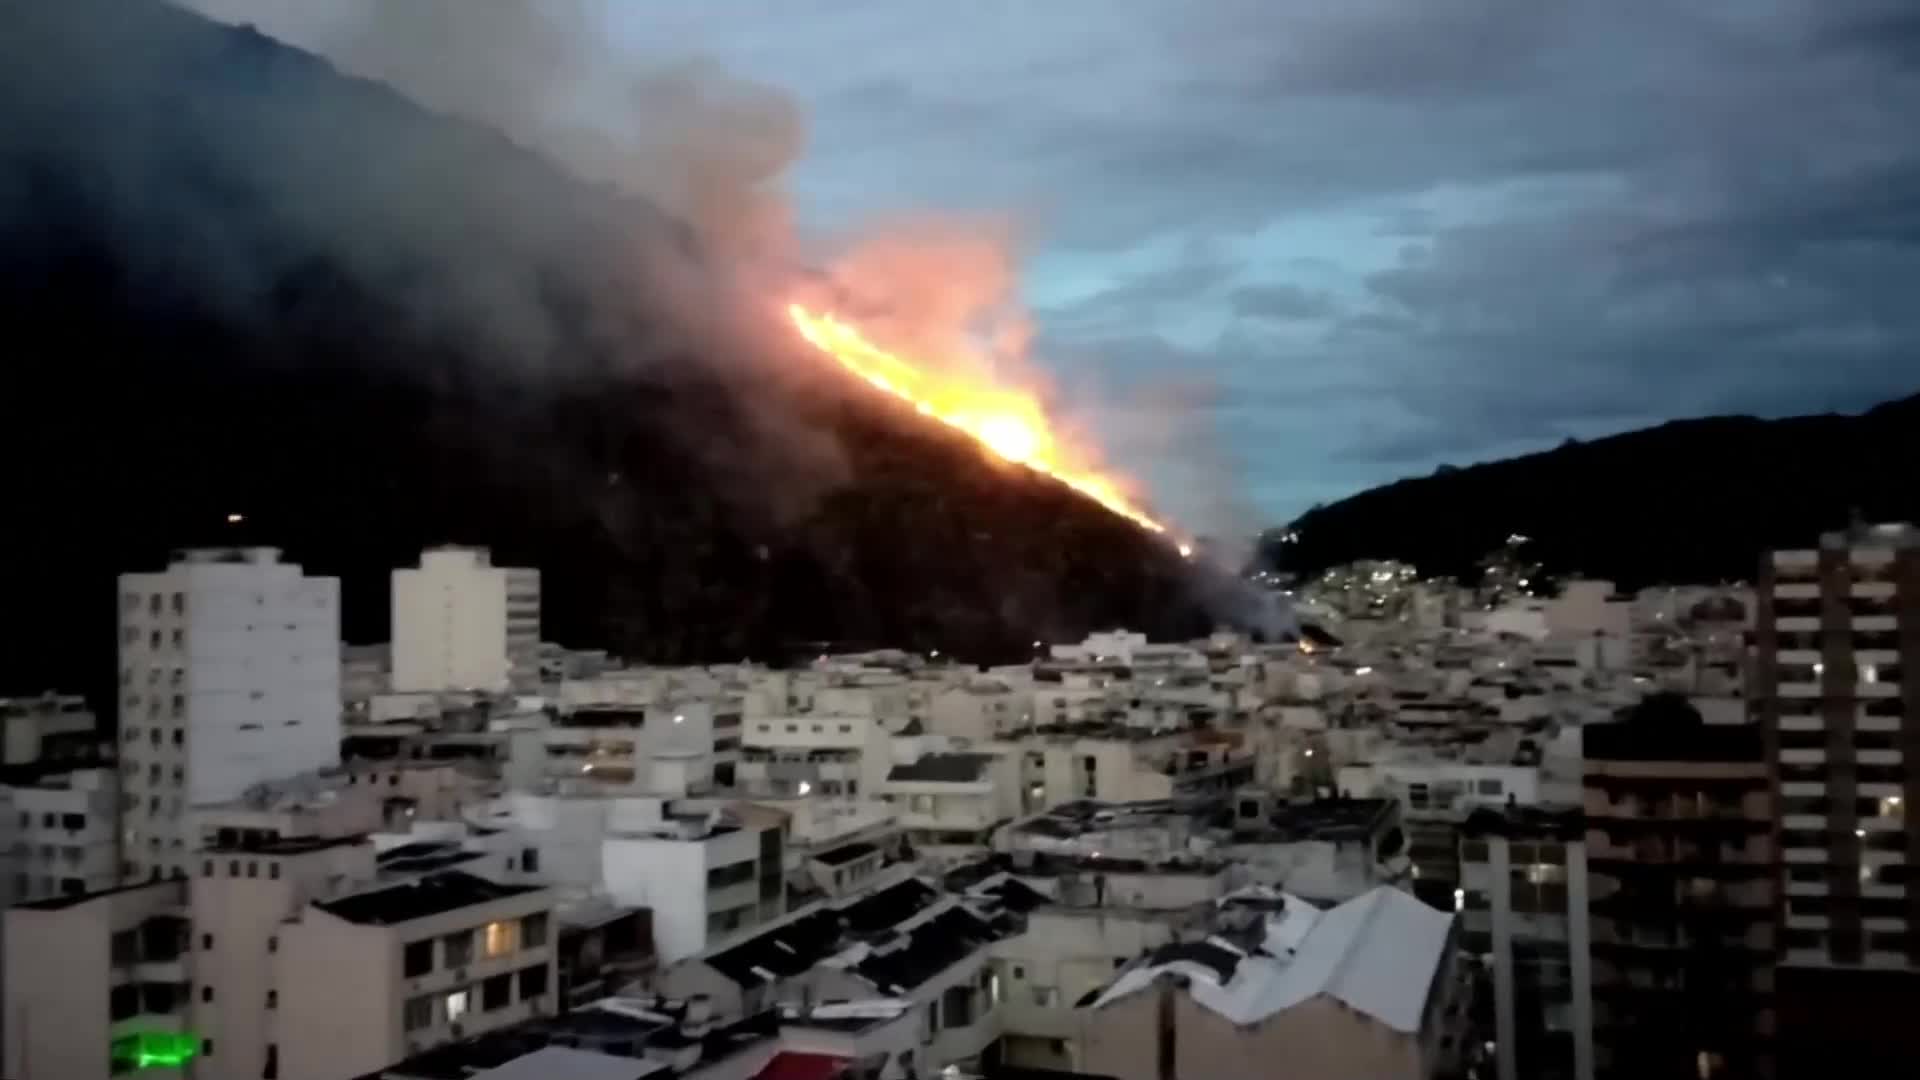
[[1523, 901], [462, 623], [947, 804], [706, 869], [99, 984], [374, 977], [664, 749], [1682, 872], [48, 727], [59, 830], [831, 755], [1836, 652], [229, 676]]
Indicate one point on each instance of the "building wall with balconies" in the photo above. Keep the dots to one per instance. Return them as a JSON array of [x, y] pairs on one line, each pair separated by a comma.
[[356, 996], [84, 972]]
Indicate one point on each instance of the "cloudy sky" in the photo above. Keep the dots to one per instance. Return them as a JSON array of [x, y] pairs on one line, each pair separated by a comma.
[[1282, 250], [1370, 236]]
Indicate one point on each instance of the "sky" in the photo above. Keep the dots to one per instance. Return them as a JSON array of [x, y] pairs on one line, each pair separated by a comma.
[[1278, 251], [1361, 239]]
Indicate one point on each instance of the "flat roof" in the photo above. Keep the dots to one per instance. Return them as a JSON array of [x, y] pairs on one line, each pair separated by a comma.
[[60, 903], [282, 845], [962, 768], [420, 898], [846, 853]]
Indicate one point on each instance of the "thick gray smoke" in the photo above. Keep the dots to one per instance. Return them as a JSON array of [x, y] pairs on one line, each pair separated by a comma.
[[560, 78]]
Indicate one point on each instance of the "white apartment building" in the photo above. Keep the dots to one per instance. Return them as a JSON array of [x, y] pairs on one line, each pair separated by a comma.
[[229, 676], [795, 755], [461, 623], [61, 834], [706, 869], [374, 977], [41, 727]]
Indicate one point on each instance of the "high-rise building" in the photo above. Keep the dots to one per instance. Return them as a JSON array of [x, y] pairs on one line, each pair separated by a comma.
[[1836, 642], [229, 676], [1523, 903], [1682, 895], [461, 623]]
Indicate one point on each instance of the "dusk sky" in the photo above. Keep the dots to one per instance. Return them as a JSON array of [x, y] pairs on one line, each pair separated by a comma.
[[1281, 250], [1369, 237]]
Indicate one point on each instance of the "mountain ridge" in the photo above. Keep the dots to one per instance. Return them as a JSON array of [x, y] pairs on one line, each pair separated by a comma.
[[237, 282], [1685, 501]]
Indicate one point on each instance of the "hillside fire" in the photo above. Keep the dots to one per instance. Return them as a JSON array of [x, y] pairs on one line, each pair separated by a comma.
[[1007, 422]]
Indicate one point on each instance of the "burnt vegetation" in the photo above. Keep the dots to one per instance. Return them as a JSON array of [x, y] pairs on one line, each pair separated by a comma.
[[235, 281]]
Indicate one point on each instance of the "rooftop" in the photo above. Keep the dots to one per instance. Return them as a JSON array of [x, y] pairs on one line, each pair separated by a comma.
[[567, 1063], [1377, 953], [619, 1028], [943, 769], [846, 853], [420, 898], [61, 903], [1520, 821], [247, 844]]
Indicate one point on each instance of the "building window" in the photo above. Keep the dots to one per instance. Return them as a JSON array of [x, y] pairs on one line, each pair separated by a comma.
[[273, 999], [457, 1004], [273, 944], [206, 941], [417, 1014], [206, 992], [253, 869], [417, 959], [533, 930], [273, 870], [1490, 787], [496, 993], [206, 1047], [530, 860], [502, 937], [458, 948], [271, 1070], [533, 982]]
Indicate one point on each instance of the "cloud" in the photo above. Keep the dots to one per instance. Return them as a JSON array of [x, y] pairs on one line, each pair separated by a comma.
[[1281, 302], [1383, 225]]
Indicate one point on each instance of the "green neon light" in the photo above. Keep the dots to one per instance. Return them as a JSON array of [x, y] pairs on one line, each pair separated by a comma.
[[156, 1049]]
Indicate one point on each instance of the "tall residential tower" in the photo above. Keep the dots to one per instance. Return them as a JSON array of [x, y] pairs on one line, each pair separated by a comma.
[[461, 623], [1837, 645], [229, 676]]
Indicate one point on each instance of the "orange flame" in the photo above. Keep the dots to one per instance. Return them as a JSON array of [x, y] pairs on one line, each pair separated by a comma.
[[1009, 423]]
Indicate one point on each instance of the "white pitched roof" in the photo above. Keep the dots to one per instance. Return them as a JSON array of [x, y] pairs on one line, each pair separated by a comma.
[[1378, 953], [567, 1063]]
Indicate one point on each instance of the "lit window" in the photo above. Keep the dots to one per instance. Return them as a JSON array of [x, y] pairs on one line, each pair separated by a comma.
[[502, 937], [1869, 673], [456, 1006]]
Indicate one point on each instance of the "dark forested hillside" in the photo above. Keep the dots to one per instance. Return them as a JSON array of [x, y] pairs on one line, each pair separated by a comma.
[[234, 281], [1693, 500]]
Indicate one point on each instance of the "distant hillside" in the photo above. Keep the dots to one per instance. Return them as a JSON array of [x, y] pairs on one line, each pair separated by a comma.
[[1693, 500], [232, 280]]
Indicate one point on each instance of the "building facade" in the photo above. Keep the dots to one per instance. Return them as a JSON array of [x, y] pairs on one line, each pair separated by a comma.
[[1836, 647], [462, 623], [229, 676], [1523, 902], [1683, 896]]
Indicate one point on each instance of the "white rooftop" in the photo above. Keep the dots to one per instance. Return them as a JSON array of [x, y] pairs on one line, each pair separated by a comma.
[[567, 1063], [1377, 953]]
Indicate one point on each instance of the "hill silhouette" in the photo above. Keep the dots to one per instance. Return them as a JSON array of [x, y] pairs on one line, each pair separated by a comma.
[[1688, 501], [234, 281]]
